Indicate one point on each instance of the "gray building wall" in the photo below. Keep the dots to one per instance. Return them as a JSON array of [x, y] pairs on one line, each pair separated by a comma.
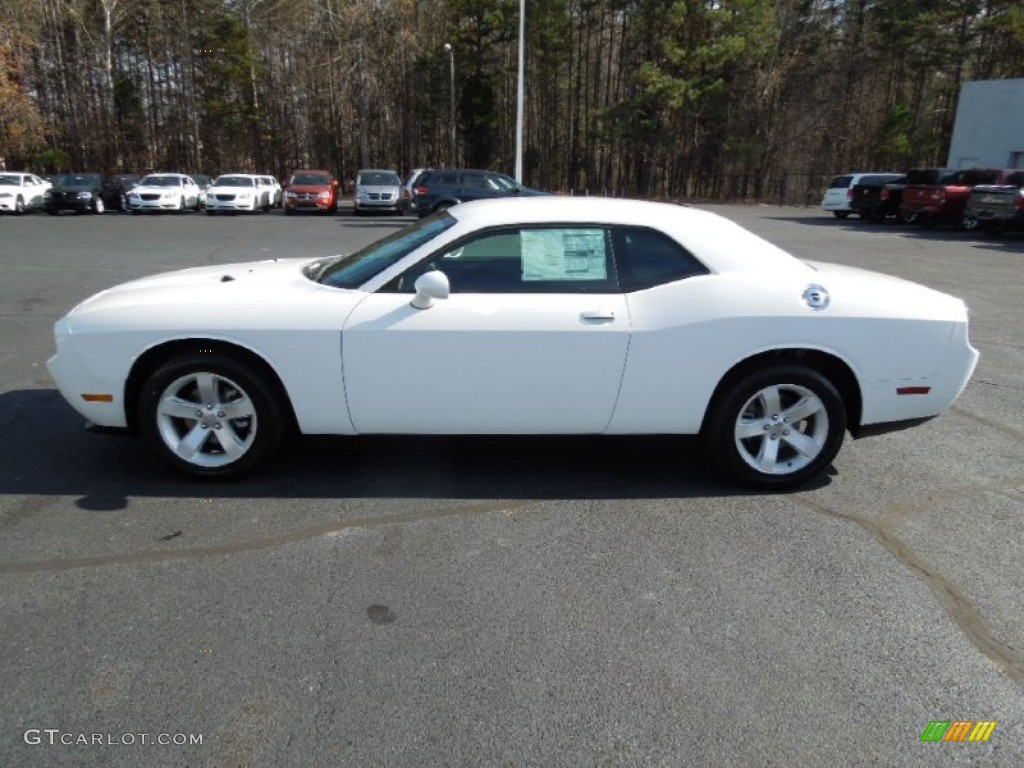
[[989, 127]]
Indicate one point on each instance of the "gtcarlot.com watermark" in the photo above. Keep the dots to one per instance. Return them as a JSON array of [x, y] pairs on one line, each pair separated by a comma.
[[56, 737]]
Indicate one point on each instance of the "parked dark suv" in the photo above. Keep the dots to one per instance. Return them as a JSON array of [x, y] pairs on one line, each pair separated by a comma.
[[437, 190], [877, 196], [996, 207]]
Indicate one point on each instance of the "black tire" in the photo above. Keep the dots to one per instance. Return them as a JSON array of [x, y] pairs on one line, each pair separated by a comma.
[[840, 214], [970, 223], [907, 217], [289, 211], [232, 385], [818, 425], [209, 212], [52, 211], [123, 202]]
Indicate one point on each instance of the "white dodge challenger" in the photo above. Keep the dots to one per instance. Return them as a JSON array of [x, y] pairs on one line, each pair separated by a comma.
[[544, 315]]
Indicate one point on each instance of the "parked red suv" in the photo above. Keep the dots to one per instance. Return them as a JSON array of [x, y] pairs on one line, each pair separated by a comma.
[[311, 191]]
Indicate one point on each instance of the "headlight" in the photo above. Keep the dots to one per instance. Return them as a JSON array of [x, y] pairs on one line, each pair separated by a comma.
[[244, 195], [324, 195], [291, 194], [84, 195], [169, 195]]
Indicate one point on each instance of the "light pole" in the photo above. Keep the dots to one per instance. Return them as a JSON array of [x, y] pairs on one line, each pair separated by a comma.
[[451, 92], [520, 90]]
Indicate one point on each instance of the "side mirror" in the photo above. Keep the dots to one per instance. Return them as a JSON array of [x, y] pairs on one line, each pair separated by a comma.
[[429, 286]]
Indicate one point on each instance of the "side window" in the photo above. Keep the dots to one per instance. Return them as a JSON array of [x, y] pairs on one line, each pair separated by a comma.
[[473, 180], [537, 260], [648, 258], [446, 179]]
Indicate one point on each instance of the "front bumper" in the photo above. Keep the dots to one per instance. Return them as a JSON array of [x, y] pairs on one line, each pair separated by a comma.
[[77, 205], [247, 206], [153, 205]]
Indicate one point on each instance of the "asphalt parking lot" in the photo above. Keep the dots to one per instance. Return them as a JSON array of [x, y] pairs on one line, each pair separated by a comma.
[[390, 602]]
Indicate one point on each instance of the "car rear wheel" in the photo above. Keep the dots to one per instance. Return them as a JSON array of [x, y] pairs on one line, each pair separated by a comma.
[[210, 415], [97, 205], [970, 223], [777, 428]]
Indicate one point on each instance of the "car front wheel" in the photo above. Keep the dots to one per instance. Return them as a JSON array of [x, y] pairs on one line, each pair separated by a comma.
[[840, 214], [777, 427], [210, 415], [97, 205]]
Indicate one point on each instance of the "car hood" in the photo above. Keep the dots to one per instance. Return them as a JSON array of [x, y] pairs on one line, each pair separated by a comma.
[[379, 188], [314, 188], [154, 188], [230, 190], [233, 295]]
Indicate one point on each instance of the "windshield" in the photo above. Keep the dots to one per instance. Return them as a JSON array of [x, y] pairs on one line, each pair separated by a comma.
[[10, 180], [234, 181], [378, 179], [320, 179], [352, 271], [501, 181], [160, 181], [82, 180]]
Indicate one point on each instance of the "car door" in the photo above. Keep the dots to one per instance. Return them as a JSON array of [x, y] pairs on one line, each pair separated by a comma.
[[531, 340]]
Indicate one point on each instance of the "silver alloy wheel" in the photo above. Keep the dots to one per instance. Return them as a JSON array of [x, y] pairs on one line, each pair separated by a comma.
[[781, 429], [19, 206], [206, 419], [98, 205]]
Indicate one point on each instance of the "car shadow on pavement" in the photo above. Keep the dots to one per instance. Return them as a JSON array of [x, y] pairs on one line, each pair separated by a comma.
[[45, 450], [1008, 241]]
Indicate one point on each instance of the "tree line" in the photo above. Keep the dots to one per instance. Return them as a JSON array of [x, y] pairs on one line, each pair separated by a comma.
[[759, 99]]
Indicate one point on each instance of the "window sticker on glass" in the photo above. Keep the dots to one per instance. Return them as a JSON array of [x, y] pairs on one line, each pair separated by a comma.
[[564, 254]]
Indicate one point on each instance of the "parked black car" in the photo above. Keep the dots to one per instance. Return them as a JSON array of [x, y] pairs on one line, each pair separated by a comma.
[[83, 193], [125, 182], [440, 189], [995, 208], [878, 196]]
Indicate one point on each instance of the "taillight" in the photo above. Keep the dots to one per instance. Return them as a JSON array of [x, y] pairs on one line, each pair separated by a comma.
[[1020, 200], [849, 193], [885, 194], [422, 190]]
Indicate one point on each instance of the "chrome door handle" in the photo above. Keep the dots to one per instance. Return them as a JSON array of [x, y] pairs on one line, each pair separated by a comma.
[[598, 315]]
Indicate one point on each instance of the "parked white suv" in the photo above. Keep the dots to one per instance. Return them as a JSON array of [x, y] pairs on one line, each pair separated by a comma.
[[839, 195]]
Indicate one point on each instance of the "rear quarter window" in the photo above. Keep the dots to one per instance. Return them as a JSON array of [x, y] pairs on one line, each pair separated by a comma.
[[840, 182], [647, 258]]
